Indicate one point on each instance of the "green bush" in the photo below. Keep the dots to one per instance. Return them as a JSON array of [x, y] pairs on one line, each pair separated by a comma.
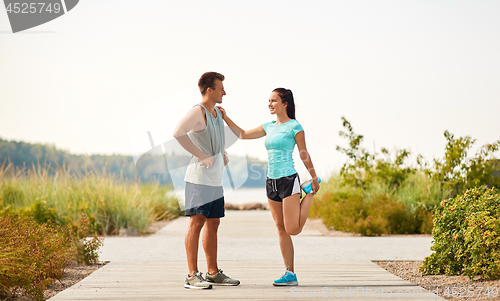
[[86, 241], [31, 255], [380, 193], [458, 171], [467, 236], [84, 230], [369, 212], [388, 196], [377, 209]]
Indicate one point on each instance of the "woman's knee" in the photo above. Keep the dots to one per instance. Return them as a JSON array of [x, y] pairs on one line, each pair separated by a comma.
[[292, 230], [281, 229]]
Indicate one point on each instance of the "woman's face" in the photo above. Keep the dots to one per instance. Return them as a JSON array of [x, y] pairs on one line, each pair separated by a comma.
[[276, 106]]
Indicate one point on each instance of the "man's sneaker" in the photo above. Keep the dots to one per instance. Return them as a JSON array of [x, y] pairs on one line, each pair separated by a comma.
[[307, 186], [221, 279], [196, 282], [288, 279]]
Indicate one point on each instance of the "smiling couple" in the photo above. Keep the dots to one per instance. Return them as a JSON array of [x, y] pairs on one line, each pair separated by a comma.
[[201, 132]]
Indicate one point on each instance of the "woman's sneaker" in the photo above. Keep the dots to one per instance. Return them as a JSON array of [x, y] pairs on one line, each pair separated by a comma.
[[307, 186], [288, 279], [196, 282], [221, 279]]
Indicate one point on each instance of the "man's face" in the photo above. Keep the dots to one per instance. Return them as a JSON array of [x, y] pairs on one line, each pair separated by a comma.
[[218, 91]]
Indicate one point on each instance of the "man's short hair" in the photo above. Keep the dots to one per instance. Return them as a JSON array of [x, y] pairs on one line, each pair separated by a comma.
[[207, 80]]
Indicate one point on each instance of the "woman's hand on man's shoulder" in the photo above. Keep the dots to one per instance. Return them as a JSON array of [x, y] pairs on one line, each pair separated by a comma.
[[222, 111]]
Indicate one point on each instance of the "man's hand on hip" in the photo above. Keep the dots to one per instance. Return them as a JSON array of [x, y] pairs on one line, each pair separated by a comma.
[[226, 158], [207, 160]]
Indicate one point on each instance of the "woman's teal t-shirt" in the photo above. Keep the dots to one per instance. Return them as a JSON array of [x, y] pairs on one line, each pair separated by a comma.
[[280, 142]]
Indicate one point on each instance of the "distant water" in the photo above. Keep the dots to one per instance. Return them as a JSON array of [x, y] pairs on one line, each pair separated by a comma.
[[236, 197], [246, 195]]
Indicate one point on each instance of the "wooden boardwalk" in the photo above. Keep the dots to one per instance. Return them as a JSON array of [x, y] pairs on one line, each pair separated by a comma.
[[319, 278], [362, 280]]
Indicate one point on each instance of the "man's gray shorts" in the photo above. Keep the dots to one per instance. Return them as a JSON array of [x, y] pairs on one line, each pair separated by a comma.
[[204, 200]]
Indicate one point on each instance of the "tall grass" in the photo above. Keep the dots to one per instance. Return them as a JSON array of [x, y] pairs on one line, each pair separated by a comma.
[[63, 195], [419, 190]]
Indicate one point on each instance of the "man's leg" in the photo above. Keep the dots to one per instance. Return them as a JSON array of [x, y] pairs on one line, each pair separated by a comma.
[[196, 222], [210, 244], [214, 276]]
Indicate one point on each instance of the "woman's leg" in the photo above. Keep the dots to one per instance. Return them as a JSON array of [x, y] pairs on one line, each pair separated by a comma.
[[286, 244], [295, 212]]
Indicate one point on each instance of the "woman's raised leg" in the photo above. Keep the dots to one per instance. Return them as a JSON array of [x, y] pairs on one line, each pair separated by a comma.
[[295, 212]]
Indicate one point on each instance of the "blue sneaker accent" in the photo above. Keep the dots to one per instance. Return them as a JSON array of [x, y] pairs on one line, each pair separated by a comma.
[[286, 280], [307, 186]]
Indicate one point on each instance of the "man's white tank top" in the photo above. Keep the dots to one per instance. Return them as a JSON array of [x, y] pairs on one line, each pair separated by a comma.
[[211, 142]]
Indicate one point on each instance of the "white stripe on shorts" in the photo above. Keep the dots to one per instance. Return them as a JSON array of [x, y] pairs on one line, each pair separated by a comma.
[[296, 186]]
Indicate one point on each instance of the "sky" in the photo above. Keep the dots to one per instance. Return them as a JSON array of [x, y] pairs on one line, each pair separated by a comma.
[[95, 80]]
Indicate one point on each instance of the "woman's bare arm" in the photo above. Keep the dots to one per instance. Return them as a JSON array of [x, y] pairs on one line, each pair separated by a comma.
[[255, 133], [306, 159]]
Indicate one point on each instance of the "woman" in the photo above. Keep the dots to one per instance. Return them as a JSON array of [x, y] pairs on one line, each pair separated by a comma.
[[282, 185]]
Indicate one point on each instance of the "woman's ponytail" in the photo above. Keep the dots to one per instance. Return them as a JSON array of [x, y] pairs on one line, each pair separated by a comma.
[[286, 95]]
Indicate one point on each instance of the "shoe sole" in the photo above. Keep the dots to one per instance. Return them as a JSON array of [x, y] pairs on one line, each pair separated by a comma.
[[223, 284], [303, 185], [197, 287], [307, 183], [293, 283]]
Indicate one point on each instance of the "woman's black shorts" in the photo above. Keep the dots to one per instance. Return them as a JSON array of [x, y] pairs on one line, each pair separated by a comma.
[[281, 188]]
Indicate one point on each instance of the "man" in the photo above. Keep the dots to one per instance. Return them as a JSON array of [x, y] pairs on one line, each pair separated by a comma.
[[201, 133]]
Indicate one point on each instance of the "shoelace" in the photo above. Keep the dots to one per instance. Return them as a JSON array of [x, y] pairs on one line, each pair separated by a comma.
[[198, 275], [222, 273], [286, 273]]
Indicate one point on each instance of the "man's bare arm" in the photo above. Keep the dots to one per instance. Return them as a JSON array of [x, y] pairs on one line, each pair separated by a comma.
[[193, 121]]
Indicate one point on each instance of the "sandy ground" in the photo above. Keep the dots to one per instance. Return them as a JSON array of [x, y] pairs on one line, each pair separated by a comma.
[[317, 224], [448, 287]]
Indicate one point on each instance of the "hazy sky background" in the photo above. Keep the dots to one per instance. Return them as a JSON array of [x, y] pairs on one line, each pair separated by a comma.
[[96, 79]]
